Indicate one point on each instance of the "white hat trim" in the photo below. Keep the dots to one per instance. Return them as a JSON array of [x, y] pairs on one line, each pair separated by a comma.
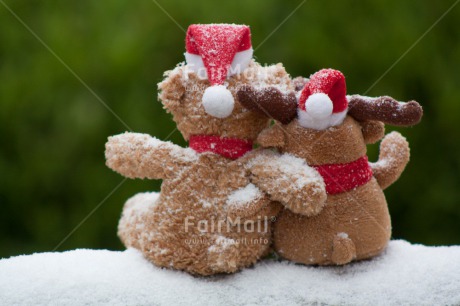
[[239, 64], [307, 121]]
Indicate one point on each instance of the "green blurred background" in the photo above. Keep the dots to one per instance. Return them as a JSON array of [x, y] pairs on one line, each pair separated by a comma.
[[53, 129]]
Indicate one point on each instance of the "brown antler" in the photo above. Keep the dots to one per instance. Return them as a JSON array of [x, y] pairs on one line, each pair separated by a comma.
[[385, 109], [270, 102]]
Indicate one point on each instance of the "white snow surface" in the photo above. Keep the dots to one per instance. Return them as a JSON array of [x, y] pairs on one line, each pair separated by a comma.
[[404, 275]]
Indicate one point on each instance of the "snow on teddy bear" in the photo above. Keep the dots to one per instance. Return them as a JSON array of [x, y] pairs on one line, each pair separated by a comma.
[[329, 131], [209, 217]]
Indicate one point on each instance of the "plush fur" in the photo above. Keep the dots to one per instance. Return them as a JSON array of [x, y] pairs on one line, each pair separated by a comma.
[[205, 189], [352, 225]]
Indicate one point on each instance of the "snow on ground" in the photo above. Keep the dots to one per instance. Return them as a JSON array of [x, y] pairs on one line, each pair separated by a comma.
[[404, 275]]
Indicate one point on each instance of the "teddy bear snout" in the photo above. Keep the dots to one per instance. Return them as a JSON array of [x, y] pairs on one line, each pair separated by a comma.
[[218, 101]]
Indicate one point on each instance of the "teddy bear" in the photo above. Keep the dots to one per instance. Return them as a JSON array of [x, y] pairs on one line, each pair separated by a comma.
[[209, 217], [329, 130]]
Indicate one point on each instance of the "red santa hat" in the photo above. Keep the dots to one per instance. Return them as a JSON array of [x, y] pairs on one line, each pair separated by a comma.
[[215, 52], [323, 102]]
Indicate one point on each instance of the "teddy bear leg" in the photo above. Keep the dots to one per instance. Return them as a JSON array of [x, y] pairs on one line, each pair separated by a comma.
[[343, 249], [131, 223]]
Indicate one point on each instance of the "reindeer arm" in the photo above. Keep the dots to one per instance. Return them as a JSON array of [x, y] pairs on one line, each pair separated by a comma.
[[136, 155], [393, 158], [288, 180]]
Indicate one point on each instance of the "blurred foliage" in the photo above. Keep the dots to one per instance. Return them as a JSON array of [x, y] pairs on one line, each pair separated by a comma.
[[53, 129]]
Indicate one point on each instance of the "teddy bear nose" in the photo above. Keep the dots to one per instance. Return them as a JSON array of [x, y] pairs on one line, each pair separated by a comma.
[[218, 101], [319, 105]]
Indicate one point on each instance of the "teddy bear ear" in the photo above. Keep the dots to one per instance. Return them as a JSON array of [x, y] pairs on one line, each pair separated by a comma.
[[272, 137]]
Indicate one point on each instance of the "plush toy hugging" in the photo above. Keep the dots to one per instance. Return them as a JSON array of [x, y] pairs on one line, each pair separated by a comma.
[[329, 131], [209, 217]]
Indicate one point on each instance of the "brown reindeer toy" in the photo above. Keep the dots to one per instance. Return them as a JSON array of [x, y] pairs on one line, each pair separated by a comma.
[[329, 131], [209, 217]]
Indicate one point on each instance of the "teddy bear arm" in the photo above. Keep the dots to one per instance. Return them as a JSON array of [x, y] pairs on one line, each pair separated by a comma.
[[290, 181], [248, 209], [137, 155]]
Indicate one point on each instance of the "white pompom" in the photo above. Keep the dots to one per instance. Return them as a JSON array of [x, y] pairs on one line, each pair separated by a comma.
[[319, 106], [218, 101]]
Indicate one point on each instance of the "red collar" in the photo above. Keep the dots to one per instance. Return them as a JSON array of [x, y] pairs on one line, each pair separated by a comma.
[[345, 177], [231, 148]]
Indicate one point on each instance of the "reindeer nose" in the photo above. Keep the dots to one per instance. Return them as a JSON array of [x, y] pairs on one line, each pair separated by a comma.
[[319, 105]]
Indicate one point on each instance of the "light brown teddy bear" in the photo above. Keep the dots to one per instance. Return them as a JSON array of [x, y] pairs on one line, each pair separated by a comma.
[[330, 130], [209, 217]]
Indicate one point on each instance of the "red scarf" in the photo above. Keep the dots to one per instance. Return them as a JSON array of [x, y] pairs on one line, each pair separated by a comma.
[[337, 177], [231, 148], [345, 177]]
